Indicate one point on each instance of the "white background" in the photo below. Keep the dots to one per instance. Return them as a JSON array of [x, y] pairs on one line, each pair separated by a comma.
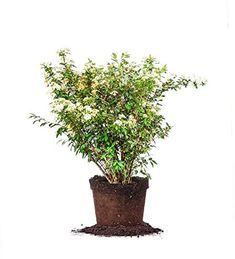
[[44, 190]]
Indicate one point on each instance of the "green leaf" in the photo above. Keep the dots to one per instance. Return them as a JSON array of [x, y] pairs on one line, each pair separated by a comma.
[[60, 131]]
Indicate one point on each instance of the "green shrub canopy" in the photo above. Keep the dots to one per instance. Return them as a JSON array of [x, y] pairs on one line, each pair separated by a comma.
[[111, 114]]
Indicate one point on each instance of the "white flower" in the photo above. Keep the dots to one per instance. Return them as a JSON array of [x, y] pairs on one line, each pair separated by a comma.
[[88, 108], [87, 117], [131, 120], [58, 104], [57, 107], [118, 122], [57, 87], [121, 116], [114, 93]]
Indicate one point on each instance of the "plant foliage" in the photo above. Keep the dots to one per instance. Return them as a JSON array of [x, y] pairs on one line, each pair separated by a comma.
[[111, 114]]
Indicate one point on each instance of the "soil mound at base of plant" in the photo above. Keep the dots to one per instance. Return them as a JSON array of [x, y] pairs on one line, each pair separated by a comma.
[[119, 230]]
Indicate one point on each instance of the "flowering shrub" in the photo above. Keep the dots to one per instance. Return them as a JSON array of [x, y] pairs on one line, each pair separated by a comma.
[[111, 114]]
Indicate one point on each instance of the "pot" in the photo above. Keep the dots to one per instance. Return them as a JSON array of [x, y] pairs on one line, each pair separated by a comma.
[[119, 204]]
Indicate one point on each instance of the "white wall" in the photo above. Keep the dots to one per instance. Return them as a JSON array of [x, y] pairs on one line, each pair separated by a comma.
[[44, 189]]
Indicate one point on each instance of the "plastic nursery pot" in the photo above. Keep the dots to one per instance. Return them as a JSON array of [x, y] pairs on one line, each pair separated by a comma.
[[118, 204]]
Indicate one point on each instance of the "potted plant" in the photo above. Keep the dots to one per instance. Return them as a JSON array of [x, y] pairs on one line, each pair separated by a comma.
[[111, 115]]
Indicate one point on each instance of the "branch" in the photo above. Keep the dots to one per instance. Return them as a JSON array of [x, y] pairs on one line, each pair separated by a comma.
[[102, 169]]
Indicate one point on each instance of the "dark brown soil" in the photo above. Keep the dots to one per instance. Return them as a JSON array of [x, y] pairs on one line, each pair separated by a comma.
[[119, 230], [101, 184]]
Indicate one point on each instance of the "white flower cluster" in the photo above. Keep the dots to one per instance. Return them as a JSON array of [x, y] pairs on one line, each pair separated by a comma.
[[89, 112], [121, 116], [87, 116], [118, 122], [123, 120], [88, 108], [59, 104], [114, 93], [131, 120]]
